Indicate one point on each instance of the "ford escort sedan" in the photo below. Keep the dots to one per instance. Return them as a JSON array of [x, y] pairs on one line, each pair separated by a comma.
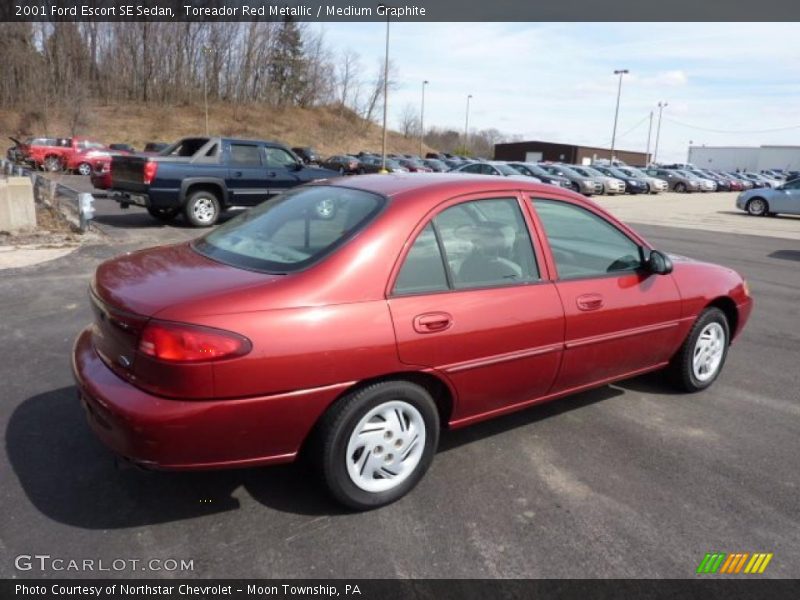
[[354, 319]]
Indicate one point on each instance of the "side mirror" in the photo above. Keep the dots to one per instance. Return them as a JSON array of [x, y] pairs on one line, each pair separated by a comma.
[[659, 263]]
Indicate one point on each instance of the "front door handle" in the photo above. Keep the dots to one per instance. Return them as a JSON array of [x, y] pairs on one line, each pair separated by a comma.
[[237, 174], [432, 322], [589, 301]]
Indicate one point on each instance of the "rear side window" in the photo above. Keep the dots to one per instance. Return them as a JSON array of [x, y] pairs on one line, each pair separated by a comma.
[[245, 154], [485, 244], [292, 231], [423, 270]]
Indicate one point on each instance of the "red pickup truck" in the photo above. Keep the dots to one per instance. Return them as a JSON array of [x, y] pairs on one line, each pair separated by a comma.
[[59, 154]]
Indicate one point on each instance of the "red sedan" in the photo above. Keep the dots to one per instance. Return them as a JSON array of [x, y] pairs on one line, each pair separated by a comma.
[[355, 318]]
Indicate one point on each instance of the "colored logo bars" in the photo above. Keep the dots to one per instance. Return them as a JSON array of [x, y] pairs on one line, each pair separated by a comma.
[[734, 563]]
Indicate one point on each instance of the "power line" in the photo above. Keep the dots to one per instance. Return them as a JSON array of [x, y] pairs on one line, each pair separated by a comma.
[[682, 124], [647, 116]]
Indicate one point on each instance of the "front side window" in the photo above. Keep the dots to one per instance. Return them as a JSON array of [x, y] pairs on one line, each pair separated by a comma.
[[485, 243], [293, 230], [278, 157], [584, 244]]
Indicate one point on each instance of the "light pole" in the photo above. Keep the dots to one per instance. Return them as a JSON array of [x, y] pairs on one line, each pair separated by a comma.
[[466, 127], [649, 132], [422, 119], [661, 106], [206, 50], [385, 96], [689, 152], [619, 72]]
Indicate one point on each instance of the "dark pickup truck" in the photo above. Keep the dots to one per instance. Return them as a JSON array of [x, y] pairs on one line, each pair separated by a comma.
[[202, 176]]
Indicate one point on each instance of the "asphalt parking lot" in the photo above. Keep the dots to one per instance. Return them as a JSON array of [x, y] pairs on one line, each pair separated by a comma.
[[629, 480]]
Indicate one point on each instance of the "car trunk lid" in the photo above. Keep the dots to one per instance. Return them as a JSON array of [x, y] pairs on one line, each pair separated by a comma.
[[130, 290]]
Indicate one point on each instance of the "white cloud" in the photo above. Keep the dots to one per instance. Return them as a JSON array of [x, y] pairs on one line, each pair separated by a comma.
[[555, 80]]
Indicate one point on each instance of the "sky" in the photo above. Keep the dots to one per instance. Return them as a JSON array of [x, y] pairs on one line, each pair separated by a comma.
[[555, 82]]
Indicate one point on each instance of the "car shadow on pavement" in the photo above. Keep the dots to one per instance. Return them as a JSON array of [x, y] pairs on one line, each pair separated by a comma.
[[785, 255], [70, 477]]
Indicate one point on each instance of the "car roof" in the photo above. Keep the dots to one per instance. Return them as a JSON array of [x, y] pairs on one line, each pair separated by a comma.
[[443, 185]]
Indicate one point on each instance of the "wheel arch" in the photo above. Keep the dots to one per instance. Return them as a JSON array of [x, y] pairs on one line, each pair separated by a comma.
[[194, 184], [439, 389], [731, 312]]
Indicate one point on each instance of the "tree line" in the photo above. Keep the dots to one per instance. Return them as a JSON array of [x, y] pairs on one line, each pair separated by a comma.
[[66, 66]]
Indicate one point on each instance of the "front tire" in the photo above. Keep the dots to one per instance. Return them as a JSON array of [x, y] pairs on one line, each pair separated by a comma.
[[84, 169], [202, 209], [700, 359], [680, 188], [377, 443], [757, 207]]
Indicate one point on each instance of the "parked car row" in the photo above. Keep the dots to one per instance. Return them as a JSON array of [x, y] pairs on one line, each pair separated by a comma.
[[75, 154]]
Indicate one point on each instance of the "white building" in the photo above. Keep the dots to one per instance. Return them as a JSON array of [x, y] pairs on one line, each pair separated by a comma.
[[746, 158]]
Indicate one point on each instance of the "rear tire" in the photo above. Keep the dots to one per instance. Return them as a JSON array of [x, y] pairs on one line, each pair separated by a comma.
[[163, 214], [375, 444], [53, 164], [202, 208], [702, 355], [84, 169]]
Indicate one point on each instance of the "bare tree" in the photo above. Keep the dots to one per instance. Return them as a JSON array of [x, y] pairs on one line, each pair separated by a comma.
[[409, 121]]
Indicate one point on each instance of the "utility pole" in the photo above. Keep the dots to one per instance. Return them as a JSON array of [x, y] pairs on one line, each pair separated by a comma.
[[422, 119], [661, 106], [649, 132], [385, 97], [466, 128], [619, 72]]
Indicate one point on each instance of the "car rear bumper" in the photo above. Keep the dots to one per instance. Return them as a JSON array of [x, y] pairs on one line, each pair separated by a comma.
[[162, 433]]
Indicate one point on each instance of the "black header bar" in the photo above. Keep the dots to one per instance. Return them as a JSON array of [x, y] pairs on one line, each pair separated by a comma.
[[403, 10]]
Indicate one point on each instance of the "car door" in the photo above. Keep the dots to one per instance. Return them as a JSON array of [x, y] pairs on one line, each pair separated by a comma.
[[471, 300], [619, 318], [786, 199], [246, 175]]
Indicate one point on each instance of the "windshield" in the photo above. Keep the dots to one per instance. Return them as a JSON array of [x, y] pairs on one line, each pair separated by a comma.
[[536, 170], [293, 230], [687, 174], [565, 170], [506, 169], [632, 172]]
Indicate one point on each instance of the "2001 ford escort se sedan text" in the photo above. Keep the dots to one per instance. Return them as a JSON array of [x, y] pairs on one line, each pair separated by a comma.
[[356, 317]]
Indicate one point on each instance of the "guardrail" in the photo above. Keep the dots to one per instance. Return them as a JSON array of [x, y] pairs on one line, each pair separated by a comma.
[[77, 207]]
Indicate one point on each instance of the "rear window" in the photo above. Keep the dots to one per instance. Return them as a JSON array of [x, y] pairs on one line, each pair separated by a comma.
[[292, 231]]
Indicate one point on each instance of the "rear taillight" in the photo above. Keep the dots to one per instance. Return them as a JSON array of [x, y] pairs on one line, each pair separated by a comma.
[[179, 342], [150, 170]]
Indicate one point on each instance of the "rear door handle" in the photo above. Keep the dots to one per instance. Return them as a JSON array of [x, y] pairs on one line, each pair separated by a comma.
[[237, 174], [432, 322], [589, 301]]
